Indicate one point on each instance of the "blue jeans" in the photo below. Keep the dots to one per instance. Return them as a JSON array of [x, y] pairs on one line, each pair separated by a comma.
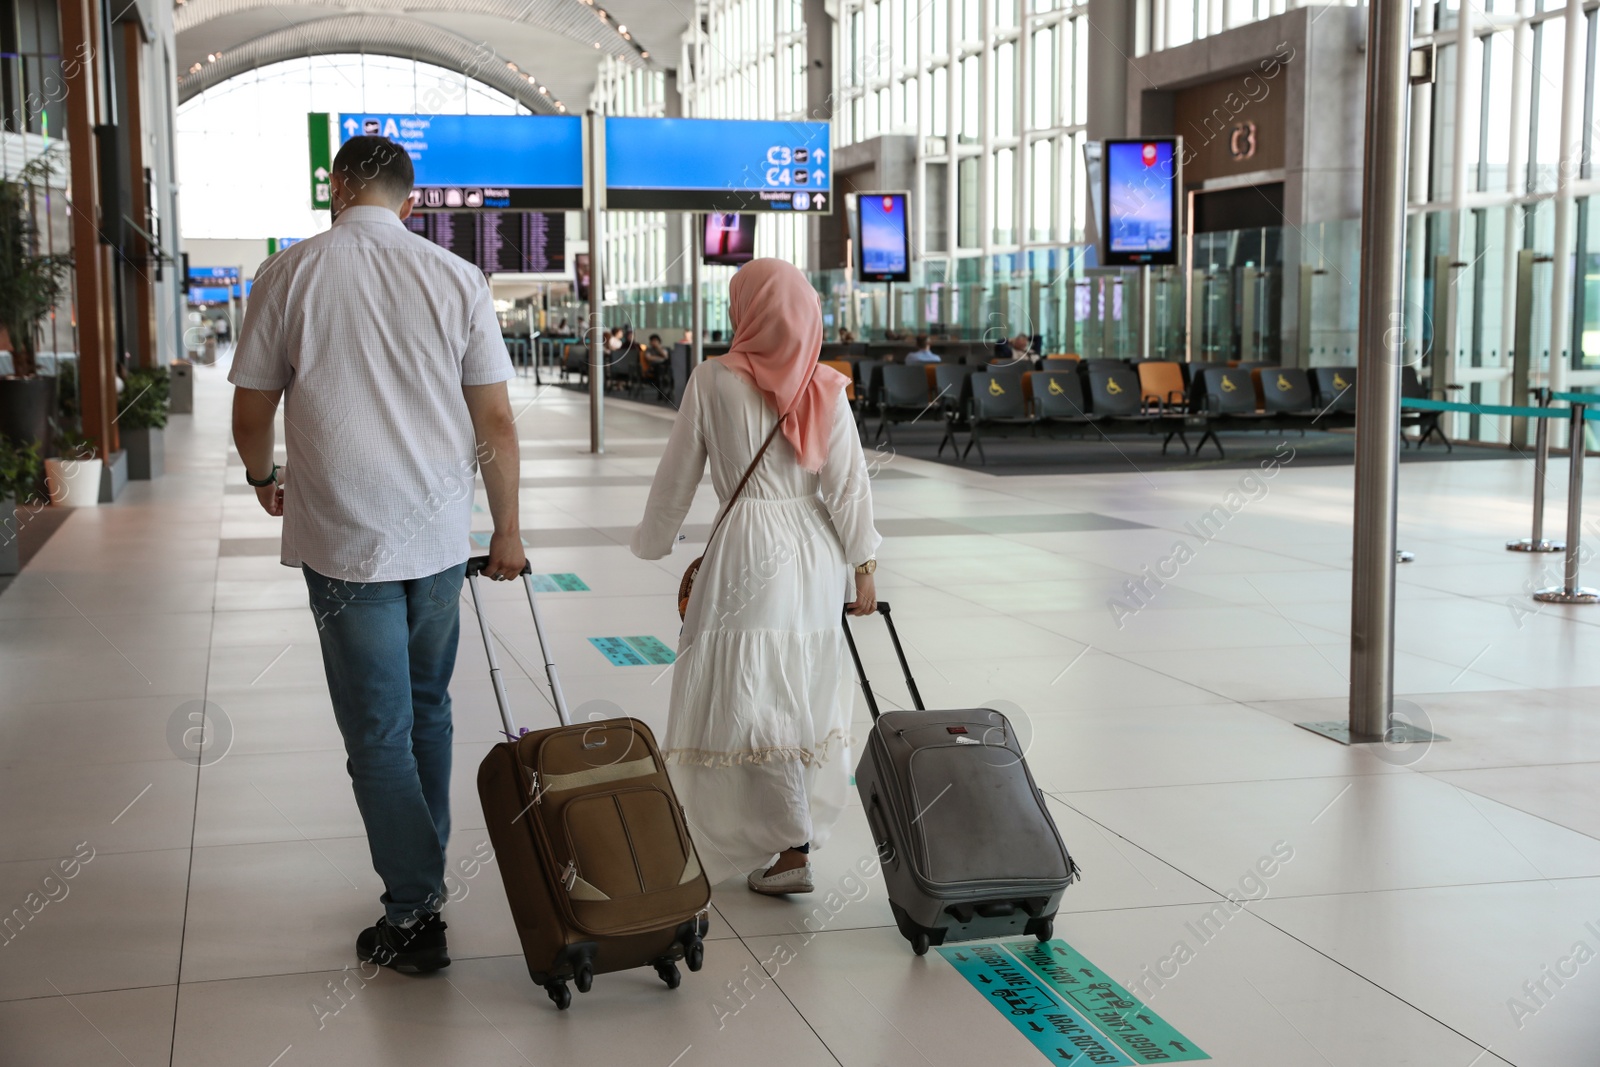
[[389, 649]]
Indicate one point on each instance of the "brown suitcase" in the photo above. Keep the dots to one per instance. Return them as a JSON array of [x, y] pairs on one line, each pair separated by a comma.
[[590, 839]]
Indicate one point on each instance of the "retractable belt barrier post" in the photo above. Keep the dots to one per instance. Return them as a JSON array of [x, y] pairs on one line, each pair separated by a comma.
[[1570, 591], [1541, 459]]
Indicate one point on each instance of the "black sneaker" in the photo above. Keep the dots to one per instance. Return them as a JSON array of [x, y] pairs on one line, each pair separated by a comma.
[[415, 949]]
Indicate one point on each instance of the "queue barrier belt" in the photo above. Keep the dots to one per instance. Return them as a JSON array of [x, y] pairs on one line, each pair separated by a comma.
[[1577, 398], [1422, 404]]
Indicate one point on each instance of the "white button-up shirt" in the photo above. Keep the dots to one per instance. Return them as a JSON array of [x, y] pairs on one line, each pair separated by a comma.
[[372, 330]]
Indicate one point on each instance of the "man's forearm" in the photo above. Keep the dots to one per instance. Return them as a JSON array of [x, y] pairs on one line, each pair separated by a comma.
[[253, 430], [501, 464]]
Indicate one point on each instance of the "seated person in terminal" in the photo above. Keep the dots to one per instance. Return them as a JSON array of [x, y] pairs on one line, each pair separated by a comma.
[[655, 353], [758, 731], [387, 406], [921, 353], [614, 339], [846, 337]]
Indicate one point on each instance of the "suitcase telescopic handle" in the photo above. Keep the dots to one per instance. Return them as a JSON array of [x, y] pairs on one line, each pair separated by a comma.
[[900, 653], [475, 567]]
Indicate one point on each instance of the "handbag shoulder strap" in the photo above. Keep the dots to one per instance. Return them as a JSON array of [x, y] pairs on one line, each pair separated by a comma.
[[748, 471]]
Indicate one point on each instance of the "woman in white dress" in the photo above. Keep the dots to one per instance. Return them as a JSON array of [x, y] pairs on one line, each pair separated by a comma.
[[758, 736]]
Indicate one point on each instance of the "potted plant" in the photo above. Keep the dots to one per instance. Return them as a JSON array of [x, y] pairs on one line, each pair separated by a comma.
[[19, 480], [30, 285], [73, 476], [143, 417]]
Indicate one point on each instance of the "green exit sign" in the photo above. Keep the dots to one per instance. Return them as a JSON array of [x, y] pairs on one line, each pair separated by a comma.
[[319, 131]]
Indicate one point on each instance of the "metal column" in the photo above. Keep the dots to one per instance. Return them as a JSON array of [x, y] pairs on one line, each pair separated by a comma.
[[697, 315], [597, 292], [1382, 340]]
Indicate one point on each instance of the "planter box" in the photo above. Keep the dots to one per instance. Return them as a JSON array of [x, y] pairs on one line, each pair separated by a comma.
[[73, 483], [146, 453], [10, 542]]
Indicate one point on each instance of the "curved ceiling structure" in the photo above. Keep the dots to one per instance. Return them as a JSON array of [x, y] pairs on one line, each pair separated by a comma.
[[503, 43], [372, 34]]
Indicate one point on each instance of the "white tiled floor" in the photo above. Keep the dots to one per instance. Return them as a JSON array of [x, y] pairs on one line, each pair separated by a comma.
[[1427, 885]]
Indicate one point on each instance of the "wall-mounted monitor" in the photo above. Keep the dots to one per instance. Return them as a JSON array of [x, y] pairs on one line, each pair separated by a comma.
[[209, 294], [1143, 180], [883, 253], [730, 238], [580, 264]]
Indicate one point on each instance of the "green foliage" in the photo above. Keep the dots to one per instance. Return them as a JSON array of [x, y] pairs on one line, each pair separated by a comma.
[[148, 394], [20, 467], [70, 444], [68, 410], [30, 284]]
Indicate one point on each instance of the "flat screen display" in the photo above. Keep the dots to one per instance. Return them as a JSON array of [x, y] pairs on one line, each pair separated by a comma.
[[730, 238], [485, 162], [885, 245], [581, 266], [209, 294], [213, 275], [732, 165], [499, 242], [1141, 202]]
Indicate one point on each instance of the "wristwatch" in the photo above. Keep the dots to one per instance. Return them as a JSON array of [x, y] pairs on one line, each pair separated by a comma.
[[270, 479], [868, 567]]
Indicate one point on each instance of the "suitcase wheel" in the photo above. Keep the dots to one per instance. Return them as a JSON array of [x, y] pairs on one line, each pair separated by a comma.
[[560, 994], [1045, 930], [583, 976], [695, 956], [669, 973], [919, 943]]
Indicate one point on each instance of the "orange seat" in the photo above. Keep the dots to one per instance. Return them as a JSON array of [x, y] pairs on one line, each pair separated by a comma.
[[844, 368], [933, 378], [1161, 382]]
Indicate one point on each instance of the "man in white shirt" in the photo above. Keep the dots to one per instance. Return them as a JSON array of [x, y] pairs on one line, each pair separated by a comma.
[[387, 353]]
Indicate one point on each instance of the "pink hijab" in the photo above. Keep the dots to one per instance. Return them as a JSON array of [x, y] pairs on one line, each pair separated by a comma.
[[777, 335]]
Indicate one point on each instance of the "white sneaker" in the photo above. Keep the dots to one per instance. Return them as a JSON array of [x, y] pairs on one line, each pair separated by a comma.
[[797, 880]]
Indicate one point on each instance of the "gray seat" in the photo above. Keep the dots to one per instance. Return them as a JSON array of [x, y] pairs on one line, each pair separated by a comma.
[[905, 397], [998, 404]]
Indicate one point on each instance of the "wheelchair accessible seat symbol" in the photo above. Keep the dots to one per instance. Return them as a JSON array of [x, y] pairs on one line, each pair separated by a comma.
[[1283, 384], [1055, 388], [1228, 386], [995, 388], [1113, 387]]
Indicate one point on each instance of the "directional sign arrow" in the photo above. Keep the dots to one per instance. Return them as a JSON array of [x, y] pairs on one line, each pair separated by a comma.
[[1178, 1045], [1087, 971], [1035, 1026], [1063, 1053], [962, 956], [1144, 1019], [321, 174], [1058, 950], [983, 978], [820, 154], [351, 126], [818, 199]]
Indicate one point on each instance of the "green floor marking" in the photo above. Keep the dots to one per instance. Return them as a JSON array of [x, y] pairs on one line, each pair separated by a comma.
[[1056, 1028], [1118, 1014], [566, 582], [633, 651]]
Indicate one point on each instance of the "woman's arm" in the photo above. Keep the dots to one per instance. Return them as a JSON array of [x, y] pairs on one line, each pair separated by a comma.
[[677, 478], [846, 489]]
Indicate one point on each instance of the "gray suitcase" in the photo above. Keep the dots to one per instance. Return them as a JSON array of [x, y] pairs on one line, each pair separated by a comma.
[[967, 846]]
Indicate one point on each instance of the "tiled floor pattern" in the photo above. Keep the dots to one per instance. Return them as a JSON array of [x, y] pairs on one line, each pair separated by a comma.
[[1441, 906]]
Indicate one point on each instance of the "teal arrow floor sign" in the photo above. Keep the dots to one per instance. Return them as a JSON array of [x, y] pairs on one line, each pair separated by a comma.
[[1067, 1007]]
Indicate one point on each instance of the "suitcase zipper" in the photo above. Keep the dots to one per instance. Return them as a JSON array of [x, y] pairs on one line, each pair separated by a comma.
[[569, 877]]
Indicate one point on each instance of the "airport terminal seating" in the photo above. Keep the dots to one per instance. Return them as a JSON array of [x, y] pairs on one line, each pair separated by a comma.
[[1428, 423], [904, 397], [997, 405]]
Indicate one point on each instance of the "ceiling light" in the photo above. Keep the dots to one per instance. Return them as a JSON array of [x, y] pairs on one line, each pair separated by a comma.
[[644, 55], [597, 44], [513, 66], [622, 29]]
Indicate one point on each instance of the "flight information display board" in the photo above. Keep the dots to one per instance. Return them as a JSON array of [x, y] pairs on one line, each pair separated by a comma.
[[1141, 202], [485, 162], [499, 242], [730, 165]]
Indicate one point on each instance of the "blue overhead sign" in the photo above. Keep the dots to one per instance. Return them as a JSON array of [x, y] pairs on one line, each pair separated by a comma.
[[199, 294], [205, 275], [490, 162], [718, 165]]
